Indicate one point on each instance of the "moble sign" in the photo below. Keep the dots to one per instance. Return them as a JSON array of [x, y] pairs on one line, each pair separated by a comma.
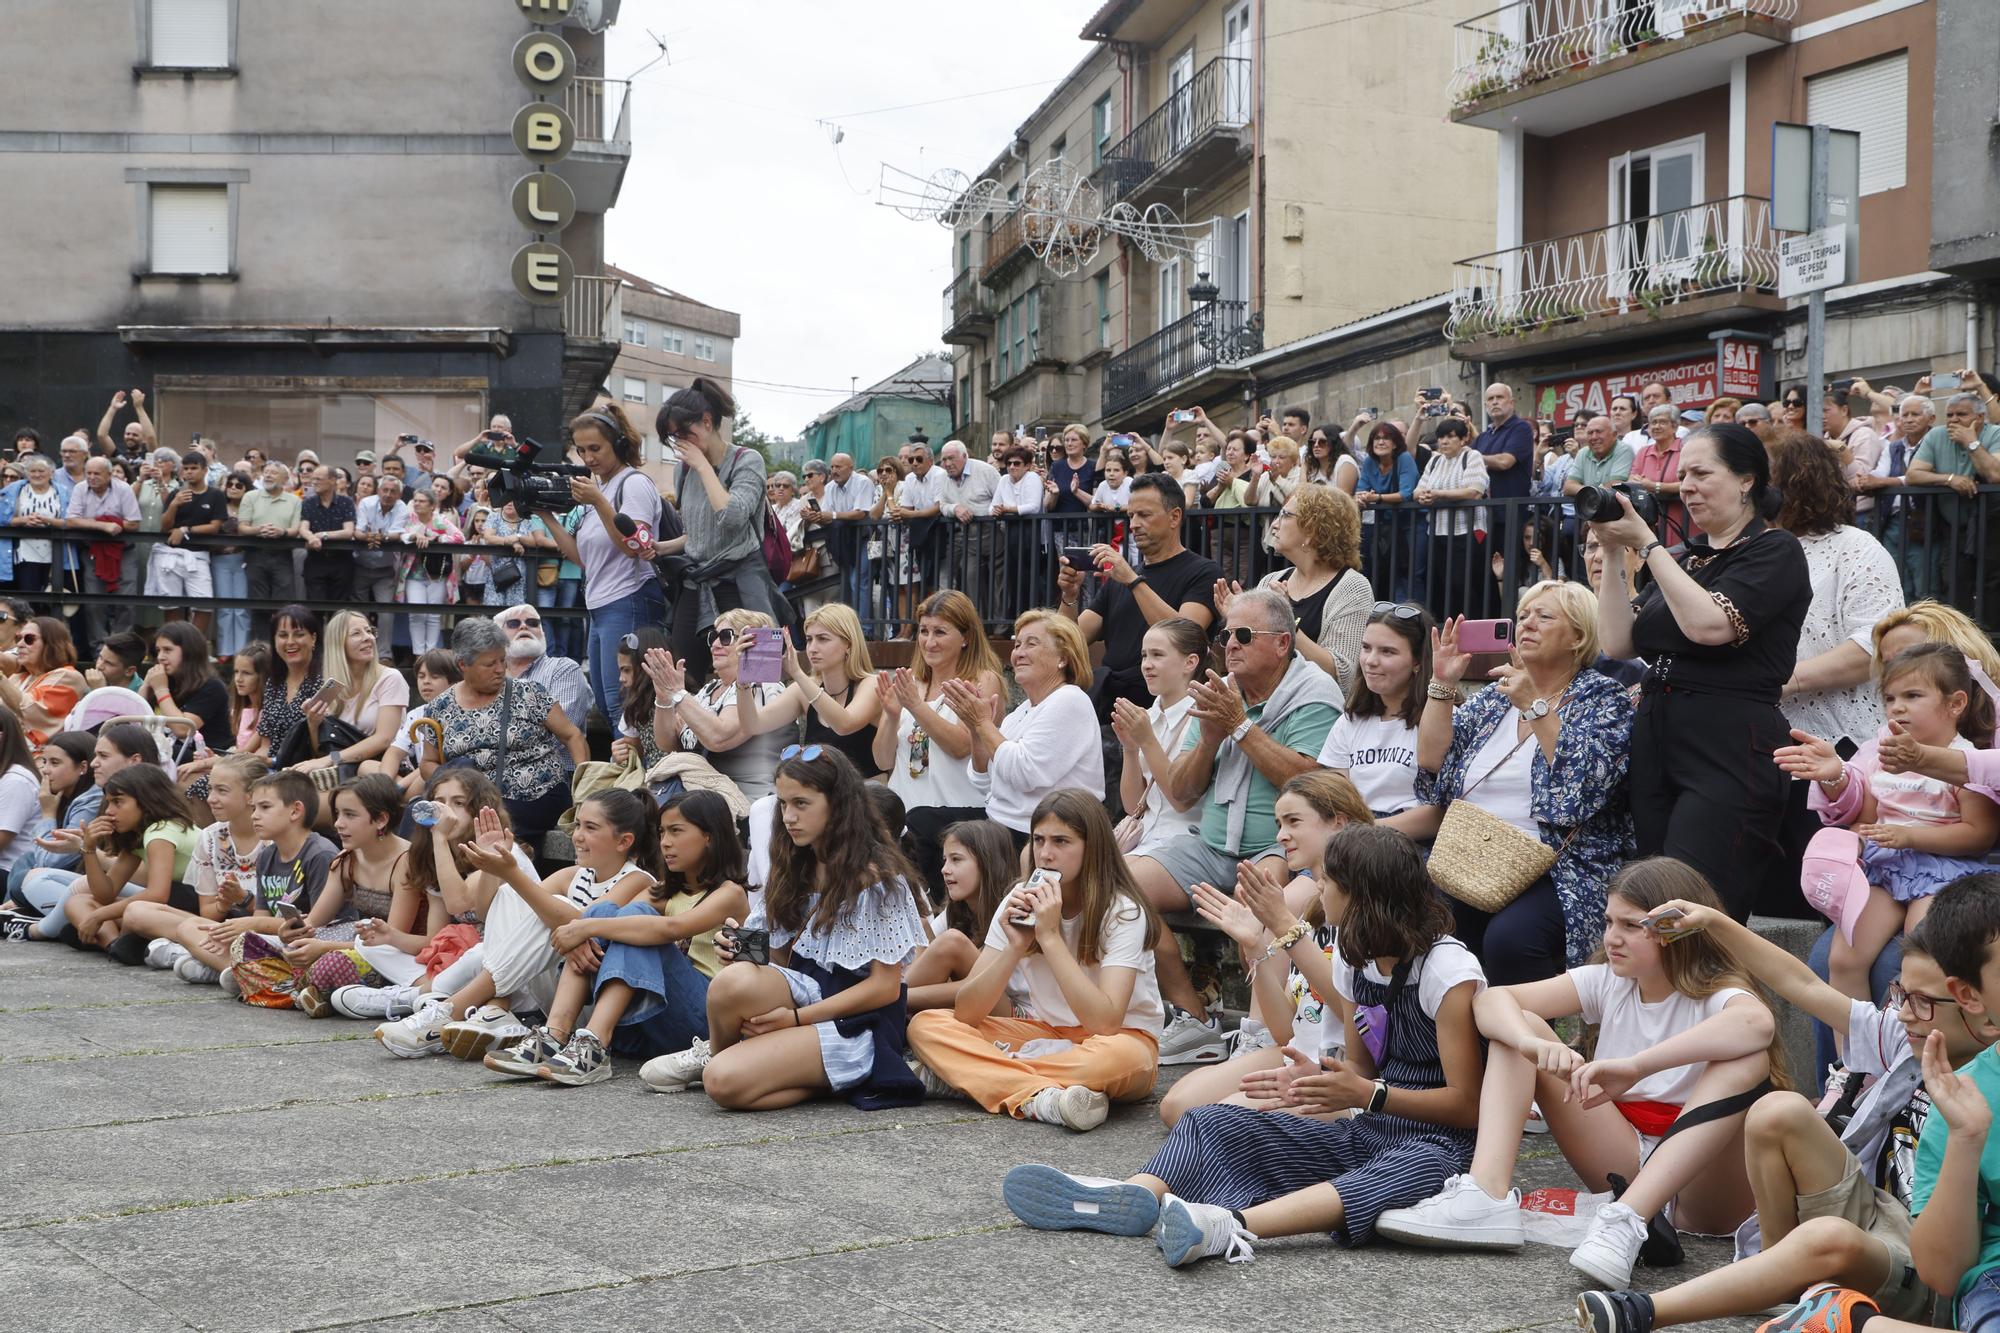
[[543, 134]]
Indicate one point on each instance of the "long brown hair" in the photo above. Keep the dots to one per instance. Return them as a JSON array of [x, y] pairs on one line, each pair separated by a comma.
[[955, 609], [1695, 965], [1416, 632], [1103, 879], [814, 887], [1392, 911], [991, 848]]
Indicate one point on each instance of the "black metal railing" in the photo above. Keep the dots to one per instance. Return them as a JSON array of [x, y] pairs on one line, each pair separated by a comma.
[[1213, 335], [966, 303], [1217, 97], [1452, 557]]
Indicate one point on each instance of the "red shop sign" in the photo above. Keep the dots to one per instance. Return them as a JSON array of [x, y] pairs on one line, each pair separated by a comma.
[[1690, 381]]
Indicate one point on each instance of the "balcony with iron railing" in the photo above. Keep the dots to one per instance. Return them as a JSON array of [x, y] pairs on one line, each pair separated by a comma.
[[1195, 136], [968, 309], [592, 309], [1704, 264], [1216, 335], [1006, 248], [1549, 66], [601, 111]]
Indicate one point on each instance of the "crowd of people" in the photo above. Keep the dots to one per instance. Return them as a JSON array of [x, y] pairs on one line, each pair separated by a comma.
[[1440, 846]]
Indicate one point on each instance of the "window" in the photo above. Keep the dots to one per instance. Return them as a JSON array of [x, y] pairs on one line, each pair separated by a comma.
[[1059, 149], [704, 348], [189, 34], [1100, 130], [965, 396], [635, 389], [635, 332], [188, 229], [673, 340], [1873, 98], [965, 253], [1006, 371], [1170, 292], [1102, 283], [1032, 347]]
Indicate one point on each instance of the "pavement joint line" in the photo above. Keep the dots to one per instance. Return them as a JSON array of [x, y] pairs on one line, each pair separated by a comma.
[[499, 1304], [467, 1173], [150, 1052], [289, 1104], [172, 1001], [118, 1281]]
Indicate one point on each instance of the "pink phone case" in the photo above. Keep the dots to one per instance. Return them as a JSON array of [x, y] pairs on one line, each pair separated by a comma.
[[763, 657], [1486, 636]]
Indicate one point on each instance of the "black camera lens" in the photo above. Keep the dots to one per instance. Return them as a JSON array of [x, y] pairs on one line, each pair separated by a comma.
[[1599, 504]]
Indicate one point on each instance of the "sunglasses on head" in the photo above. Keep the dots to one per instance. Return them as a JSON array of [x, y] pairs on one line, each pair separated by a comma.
[[630, 643], [1243, 634], [805, 752], [1400, 610]]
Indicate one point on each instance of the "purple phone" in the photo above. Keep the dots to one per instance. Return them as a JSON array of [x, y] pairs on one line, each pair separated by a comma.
[[763, 657]]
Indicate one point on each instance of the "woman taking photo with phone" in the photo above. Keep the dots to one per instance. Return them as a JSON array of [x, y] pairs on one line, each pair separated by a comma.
[[708, 721], [1721, 627], [620, 586], [835, 689]]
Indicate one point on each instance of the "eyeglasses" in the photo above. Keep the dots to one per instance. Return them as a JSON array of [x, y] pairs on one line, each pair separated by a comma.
[[519, 622], [1400, 610], [1243, 634], [805, 752], [725, 637], [1922, 1007]]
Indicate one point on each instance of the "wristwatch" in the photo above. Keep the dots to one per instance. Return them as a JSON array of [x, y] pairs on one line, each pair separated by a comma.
[[677, 698], [1535, 711], [1648, 549], [1242, 730]]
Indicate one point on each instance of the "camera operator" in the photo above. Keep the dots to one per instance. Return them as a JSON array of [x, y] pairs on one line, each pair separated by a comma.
[[619, 586], [721, 490]]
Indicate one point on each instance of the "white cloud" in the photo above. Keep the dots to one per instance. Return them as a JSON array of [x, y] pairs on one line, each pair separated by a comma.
[[737, 198]]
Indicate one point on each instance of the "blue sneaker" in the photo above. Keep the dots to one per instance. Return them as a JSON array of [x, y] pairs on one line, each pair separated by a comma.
[[1052, 1200], [1191, 1231]]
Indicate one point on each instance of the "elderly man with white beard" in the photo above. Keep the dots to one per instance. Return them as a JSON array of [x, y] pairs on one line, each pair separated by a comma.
[[528, 659]]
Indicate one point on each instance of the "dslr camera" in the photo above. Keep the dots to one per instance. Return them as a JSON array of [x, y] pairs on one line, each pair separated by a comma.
[[1599, 504], [518, 478]]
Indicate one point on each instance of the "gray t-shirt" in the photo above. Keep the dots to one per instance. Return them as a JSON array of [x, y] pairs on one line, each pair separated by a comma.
[[610, 573]]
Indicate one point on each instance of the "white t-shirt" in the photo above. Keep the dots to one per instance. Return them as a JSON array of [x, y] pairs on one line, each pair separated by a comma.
[[20, 806], [1628, 1025], [1126, 943], [1163, 823], [1116, 497], [1317, 1028], [940, 780], [1052, 744], [1380, 757], [1446, 964], [1509, 793]]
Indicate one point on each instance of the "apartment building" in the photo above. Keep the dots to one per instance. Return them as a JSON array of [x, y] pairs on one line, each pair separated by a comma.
[[291, 224], [1325, 185], [666, 339], [1634, 237]]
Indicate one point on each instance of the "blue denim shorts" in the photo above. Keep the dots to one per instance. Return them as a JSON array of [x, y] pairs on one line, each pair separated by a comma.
[[1979, 1307]]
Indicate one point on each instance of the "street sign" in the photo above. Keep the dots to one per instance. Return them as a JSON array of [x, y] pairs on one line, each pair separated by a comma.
[[1791, 173], [1812, 262]]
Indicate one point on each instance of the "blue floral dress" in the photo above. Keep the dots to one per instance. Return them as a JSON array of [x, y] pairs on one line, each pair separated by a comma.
[[1583, 790]]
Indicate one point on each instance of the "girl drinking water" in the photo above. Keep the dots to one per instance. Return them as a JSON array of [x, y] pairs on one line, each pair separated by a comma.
[[1684, 1046], [1173, 652], [826, 1012], [1917, 833], [224, 873], [1071, 950], [1289, 1001], [980, 866], [1228, 1175], [649, 994]]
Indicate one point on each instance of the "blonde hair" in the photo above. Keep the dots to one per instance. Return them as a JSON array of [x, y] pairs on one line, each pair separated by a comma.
[[1578, 605], [1069, 642], [334, 663], [1331, 522], [1940, 624], [1285, 447], [839, 620], [742, 618]]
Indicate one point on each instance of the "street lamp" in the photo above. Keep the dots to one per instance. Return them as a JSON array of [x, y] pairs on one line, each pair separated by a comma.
[[1212, 334], [1201, 299]]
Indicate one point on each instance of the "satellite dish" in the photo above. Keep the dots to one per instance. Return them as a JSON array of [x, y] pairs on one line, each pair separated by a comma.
[[591, 15]]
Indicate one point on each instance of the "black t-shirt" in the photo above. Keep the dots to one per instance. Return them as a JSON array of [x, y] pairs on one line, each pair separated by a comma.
[[210, 506], [1063, 475], [1764, 577], [1187, 577], [209, 701], [1310, 610]]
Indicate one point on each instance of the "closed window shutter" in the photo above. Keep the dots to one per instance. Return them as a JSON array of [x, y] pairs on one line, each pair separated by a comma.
[[190, 228], [1874, 99], [191, 34]]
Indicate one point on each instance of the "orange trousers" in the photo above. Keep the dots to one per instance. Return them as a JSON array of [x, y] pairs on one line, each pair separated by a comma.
[[1122, 1065]]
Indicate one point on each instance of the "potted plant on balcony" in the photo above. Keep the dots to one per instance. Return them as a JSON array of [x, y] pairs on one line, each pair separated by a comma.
[[1577, 54], [1642, 38], [1692, 20]]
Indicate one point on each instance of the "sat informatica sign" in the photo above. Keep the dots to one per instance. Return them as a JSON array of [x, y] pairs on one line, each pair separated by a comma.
[[1734, 370], [544, 135]]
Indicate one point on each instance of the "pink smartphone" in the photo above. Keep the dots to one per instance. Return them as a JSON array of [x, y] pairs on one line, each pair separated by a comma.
[[1486, 636], [763, 657]]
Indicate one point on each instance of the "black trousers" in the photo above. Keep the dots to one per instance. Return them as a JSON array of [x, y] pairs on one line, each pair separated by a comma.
[[689, 645], [267, 576], [926, 825], [1705, 789], [1522, 942]]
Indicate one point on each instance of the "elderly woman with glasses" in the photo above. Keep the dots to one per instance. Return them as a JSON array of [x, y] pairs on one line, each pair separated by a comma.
[[709, 720], [1656, 469]]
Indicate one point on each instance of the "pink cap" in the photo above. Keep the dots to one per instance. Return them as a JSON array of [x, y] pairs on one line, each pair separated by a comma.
[[1833, 880]]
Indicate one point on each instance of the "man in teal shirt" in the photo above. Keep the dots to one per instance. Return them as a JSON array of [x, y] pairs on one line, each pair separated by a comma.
[[1961, 454], [1603, 461]]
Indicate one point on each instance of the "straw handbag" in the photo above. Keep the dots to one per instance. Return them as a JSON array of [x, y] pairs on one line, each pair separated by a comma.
[[1481, 859]]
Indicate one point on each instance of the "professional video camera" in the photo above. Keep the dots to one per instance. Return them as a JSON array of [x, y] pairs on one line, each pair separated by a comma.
[[519, 478]]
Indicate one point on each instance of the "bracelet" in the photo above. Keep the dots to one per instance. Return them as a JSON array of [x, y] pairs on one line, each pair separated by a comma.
[[1380, 1097], [1438, 690], [659, 707], [1277, 946]]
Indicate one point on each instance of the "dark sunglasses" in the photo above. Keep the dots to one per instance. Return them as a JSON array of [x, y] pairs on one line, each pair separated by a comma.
[[725, 637], [1243, 634], [805, 752], [1400, 610], [27, 638], [518, 623]]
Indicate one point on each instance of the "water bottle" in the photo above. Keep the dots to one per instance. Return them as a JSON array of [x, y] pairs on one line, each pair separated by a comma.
[[426, 813]]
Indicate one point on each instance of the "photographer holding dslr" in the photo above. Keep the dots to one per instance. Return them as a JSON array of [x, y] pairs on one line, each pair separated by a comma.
[[1720, 626], [613, 544]]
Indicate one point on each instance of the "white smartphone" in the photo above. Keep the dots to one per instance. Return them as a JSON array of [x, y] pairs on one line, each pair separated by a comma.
[[1036, 877]]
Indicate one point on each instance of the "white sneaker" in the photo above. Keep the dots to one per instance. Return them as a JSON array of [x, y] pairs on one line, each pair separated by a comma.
[[374, 1001], [934, 1084], [422, 1033], [1461, 1216], [1609, 1252], [1052, 1200], [1250, 1036], [677, 1072], [1191, 1231], [489, 1024], [1536, 1124], [1075, 1107], [163, 954], [195, 972], [227, 980], [1188, 1040]]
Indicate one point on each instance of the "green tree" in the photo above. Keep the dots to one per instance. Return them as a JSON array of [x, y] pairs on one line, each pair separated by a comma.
[[744, 434]]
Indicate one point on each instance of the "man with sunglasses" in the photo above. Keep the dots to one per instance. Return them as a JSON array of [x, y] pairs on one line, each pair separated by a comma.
[[528, 659], [1256, 729]]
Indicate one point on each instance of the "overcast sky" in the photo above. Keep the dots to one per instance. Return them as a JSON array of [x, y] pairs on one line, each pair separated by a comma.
[[737, 198]]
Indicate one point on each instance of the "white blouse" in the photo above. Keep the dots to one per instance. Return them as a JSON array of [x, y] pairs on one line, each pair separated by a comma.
[[923, 774], [883, 926], [1854, 584], [1468, 469]]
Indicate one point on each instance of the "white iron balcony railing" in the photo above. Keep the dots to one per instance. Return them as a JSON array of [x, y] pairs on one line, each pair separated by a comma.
[[601, 110], [592, 309], [1529, 40], [1649, 263]]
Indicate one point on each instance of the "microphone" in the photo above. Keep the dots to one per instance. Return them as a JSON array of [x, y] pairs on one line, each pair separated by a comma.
[[637, 536]]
